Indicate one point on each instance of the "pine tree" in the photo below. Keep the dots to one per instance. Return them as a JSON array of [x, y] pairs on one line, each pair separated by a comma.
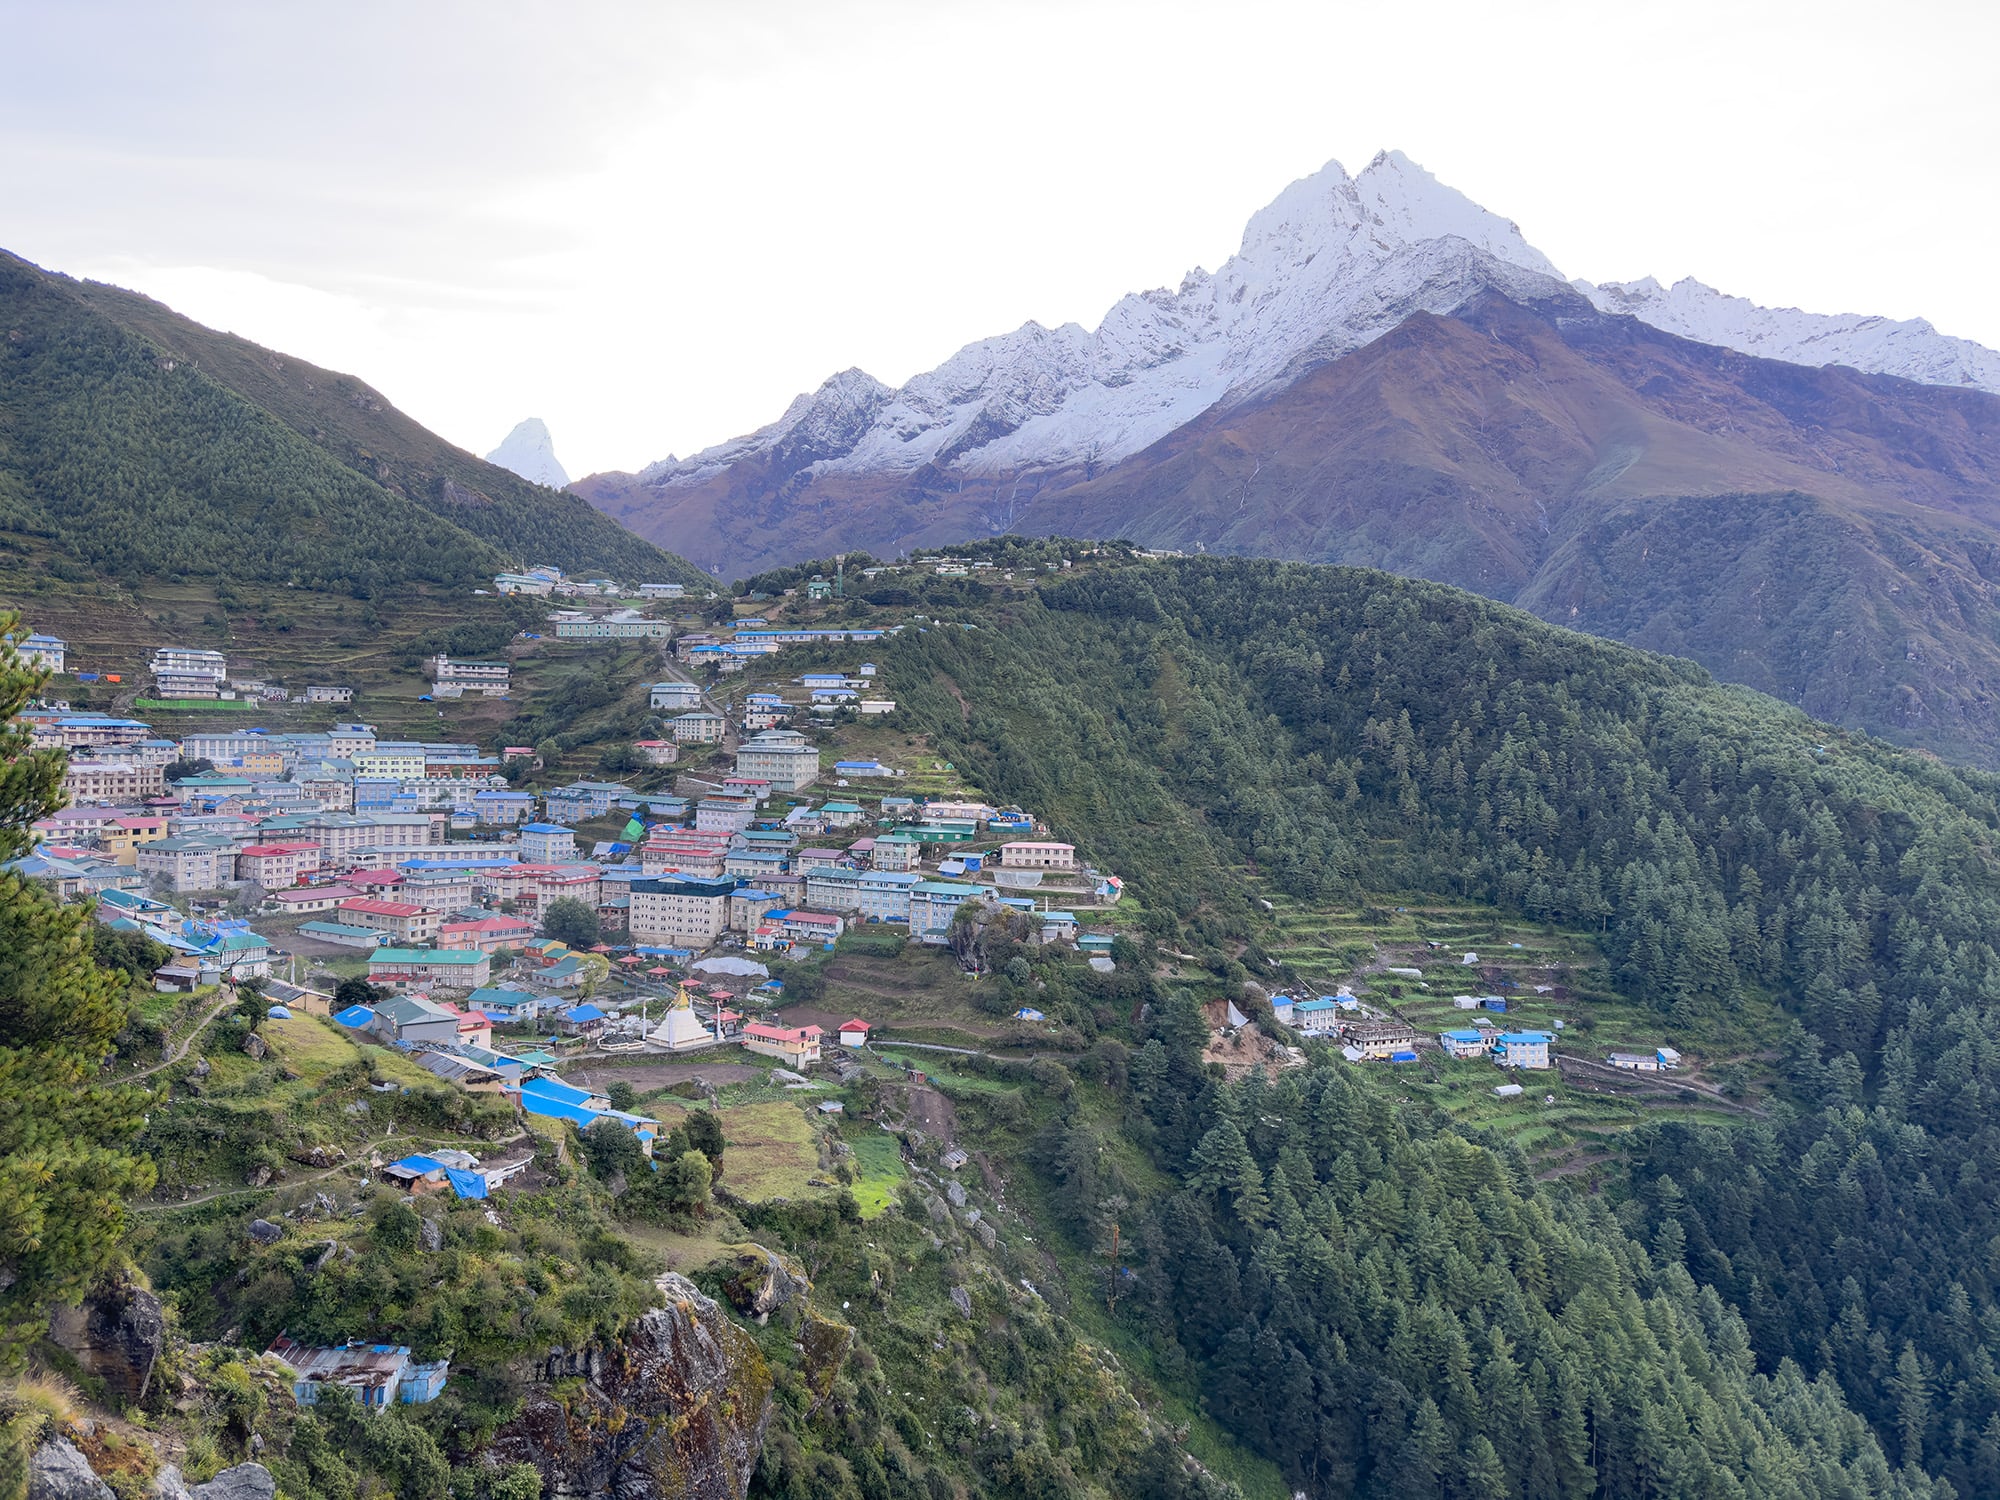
[[65, 1166]]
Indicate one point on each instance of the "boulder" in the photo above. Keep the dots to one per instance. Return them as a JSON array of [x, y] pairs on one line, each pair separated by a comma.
[[244, 1482], [676, 1410], [264, 1232], [254, 1045], [57, 1471], [430, 1232], [762, 1281], [116, 1335], [318, 1156], [955, 1191], [986, 1235], [962, 1300]]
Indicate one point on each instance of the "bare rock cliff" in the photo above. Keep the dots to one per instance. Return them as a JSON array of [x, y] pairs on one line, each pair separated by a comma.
[[675, 1411]]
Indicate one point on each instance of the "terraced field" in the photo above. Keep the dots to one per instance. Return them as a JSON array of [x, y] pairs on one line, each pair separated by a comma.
[[1565, 1123]]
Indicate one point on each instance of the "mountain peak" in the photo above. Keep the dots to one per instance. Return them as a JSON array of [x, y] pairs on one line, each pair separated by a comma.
[[1329, 264], [530, 452]]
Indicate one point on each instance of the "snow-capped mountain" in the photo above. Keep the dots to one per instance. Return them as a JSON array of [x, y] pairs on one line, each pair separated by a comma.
[[1387, 375], [1912, 350], [530, 452], [1329, 265]]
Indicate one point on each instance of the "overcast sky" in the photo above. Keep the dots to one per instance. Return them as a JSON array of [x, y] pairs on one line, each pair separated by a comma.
[[653, 224]]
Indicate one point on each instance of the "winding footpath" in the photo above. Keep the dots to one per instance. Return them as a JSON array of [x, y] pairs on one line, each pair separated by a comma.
[[179, 1050]]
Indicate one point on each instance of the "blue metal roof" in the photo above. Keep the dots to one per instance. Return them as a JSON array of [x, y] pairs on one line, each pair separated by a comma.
[[554, 1088], [557, 1109]]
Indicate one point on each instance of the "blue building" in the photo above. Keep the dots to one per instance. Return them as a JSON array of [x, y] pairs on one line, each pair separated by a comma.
[[1464, 1042], [377, 1374], [1522, 1049]]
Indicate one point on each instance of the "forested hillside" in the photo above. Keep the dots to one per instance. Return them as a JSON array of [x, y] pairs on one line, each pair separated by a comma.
[[354, 424], [1346, 732], [160, 481]]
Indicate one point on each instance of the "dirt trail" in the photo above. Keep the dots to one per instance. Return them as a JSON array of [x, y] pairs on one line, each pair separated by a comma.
[[1644, 1083], [180, 1049], [355, 1163]]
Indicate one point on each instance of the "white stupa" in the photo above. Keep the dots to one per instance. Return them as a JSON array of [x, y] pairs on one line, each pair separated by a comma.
[[680, 1030]]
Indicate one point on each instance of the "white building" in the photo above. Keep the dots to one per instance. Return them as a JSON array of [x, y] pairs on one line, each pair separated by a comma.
[[680, 911], [185, 672], [454, 679], [783, 757], [1037, 854], [43, 651], [675, 695], [699, 728], [547, 843]]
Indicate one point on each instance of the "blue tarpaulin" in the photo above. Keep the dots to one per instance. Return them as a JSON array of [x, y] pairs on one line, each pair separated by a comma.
[[355, 1017], [466, 1184]]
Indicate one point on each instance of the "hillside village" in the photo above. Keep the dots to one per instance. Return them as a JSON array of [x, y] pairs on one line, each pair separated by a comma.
[[735, 913], [427, 897]]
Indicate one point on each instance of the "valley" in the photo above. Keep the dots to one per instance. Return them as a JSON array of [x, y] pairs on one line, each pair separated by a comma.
[[1322, 842]]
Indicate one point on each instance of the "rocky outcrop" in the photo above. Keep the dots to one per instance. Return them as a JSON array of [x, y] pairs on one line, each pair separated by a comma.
[[824, 1344], [675, 1411], [116, 1335], [59, 1472], [762, 1281], [244, 1482]]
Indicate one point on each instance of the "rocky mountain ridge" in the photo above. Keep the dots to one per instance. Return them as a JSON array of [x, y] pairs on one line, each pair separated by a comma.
[[1387, 375], [1330, 264]]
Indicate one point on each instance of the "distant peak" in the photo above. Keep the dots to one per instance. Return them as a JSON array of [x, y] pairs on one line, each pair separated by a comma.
[[530, 452]]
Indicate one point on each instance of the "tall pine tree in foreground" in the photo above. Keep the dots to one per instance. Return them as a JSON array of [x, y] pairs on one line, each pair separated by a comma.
[[66, 1164]]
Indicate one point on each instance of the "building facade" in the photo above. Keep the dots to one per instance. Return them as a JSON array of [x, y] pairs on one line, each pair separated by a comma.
[[783, 757], [680, 911]]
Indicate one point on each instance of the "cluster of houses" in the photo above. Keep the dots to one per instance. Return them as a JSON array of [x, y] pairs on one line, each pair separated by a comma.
[[423, 861], [182, 672], [1370, 1037], [1366, 1037], [735, 648], [544, 581]]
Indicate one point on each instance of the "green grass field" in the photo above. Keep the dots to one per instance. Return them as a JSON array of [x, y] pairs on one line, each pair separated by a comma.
[[769, 1151], [879, 1160]]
